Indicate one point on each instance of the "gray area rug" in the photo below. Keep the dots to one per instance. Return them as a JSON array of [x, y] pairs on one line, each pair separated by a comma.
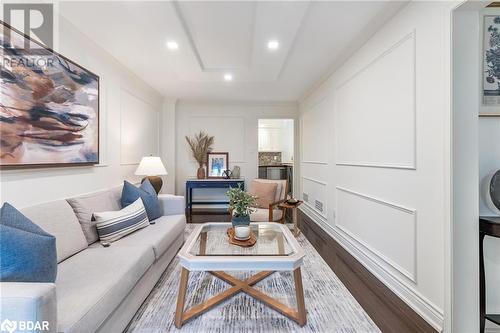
[[330, 306]]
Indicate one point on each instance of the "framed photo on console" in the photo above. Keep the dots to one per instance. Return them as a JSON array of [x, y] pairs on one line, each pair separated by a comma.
[[217, 163], [49, 114]]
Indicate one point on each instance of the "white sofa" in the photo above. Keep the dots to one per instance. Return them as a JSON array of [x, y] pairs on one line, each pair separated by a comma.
[[97, 289]]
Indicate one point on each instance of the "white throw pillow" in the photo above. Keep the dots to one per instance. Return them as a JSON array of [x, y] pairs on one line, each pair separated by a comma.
[[114, 225]]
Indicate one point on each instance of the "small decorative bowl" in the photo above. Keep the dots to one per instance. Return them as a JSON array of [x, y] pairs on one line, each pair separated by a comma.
[[292, 201]]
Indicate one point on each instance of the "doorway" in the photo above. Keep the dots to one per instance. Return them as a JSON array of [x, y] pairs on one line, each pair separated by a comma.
[[475, 153], [276, 150]]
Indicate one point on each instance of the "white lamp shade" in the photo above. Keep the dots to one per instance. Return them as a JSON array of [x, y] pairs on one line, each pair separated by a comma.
[[151, 166]]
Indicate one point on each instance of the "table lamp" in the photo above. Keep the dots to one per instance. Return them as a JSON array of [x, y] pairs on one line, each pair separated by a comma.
[[152, 167]]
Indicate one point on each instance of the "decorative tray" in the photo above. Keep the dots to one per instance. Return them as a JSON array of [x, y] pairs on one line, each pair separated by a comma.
[[243, 243]]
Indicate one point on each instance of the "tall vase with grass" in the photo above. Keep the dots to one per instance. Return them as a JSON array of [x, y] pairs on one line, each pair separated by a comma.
[[200, 145], [240, 206]]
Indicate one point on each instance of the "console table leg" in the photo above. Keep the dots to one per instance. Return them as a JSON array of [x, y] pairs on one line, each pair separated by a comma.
[[179, 311], [190, 200]]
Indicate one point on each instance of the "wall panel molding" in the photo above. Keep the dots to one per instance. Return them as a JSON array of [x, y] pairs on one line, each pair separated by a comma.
[[406, 44], [314, 162], [134, 118], [378, 255], [315, 181], [418, 302]]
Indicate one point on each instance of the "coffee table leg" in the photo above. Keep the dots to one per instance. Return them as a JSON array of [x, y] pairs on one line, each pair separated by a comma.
[[179, 311], [299, 294]]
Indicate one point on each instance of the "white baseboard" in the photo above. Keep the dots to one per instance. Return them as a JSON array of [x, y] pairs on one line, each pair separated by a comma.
[[420, 304]]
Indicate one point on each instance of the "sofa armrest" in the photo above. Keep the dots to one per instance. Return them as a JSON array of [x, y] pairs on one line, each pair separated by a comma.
[[29, 302], [172, 204]]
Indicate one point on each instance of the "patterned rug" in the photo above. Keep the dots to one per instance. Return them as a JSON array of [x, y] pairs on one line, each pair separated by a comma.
[[330, 306]]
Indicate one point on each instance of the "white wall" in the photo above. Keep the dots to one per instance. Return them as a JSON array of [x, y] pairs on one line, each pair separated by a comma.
[[129, 113], [235, 127], [168, 144], [373, 152], [465, 76]]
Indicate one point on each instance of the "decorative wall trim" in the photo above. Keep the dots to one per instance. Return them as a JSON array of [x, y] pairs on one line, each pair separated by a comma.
[[384, 166], [122, 91], [393, 47], [363, 246], [314, 162], [379, 201], [315, 181], [418, 302]]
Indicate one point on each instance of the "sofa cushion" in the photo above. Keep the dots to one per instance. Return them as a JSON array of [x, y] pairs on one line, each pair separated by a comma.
[[159, 235], [28, 254], [111, 226], [91, 284], [148, 195], [86, 205], [265, 193], [58, 219], [281, 190], [262, 215]]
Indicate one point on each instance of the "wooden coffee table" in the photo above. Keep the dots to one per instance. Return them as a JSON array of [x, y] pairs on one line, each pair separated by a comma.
[[207, 249]]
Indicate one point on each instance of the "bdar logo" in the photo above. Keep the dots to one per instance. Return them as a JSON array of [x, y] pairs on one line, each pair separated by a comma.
[[8, 326]]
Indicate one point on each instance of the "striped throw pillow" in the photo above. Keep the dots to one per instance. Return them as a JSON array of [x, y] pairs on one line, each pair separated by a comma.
[[114, 225]]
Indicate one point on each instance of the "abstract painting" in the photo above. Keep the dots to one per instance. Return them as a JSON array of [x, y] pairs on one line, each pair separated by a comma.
[[491, 65], [49, 106]]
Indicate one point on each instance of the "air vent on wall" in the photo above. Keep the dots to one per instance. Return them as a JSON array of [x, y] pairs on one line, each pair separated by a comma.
[[318, 205], [305, 197]]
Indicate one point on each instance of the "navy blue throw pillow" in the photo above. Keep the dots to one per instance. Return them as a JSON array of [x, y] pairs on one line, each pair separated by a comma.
[[147, 193], [28, 253]]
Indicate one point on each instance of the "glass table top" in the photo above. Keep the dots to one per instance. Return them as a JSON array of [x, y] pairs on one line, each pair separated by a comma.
[[213, 238]]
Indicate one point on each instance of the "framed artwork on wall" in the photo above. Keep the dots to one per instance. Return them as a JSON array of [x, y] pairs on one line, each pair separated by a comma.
[[217, 163], [491, 66], [49, 106]]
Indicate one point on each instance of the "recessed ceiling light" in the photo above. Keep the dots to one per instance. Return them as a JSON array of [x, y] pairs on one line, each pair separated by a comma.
[[172, 45], [273, 44], [228, 77]]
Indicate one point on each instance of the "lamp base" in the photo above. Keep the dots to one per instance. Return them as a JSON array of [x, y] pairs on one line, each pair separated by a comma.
[[156, 181]]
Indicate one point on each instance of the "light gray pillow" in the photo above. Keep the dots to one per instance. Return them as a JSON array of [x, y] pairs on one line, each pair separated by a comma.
[[85, 206]]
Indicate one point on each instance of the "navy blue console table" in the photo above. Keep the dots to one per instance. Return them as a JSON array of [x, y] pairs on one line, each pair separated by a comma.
[[209, 183]]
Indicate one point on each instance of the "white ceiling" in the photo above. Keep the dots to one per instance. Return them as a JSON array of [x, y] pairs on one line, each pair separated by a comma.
[[229, 37]]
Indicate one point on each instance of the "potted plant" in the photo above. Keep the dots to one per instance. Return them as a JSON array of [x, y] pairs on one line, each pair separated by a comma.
[[240, 206], [200, 144]]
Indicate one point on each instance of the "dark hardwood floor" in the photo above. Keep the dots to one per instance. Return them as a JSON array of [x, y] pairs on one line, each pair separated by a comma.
[[208, 215], [387, 310]]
